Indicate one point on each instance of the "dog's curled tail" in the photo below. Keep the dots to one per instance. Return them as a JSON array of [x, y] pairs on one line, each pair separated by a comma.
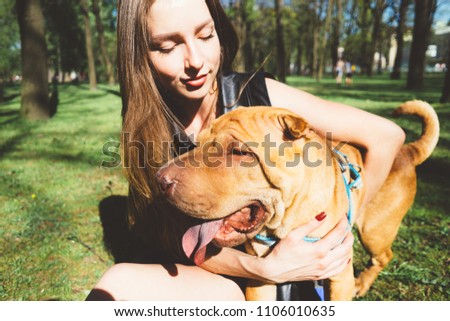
[[422, 148]]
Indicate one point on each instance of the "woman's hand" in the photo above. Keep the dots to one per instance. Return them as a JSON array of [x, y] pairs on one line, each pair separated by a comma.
[[294, 259]]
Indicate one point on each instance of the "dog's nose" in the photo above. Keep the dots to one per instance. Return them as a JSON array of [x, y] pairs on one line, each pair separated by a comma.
[[165, 182]]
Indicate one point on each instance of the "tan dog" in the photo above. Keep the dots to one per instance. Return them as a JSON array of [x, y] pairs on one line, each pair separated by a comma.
[[263, 171]]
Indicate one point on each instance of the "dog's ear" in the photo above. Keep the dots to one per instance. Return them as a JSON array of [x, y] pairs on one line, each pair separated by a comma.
[[295, 127]]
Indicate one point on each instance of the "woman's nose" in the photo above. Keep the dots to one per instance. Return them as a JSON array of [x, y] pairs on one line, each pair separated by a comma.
[[193, 58]]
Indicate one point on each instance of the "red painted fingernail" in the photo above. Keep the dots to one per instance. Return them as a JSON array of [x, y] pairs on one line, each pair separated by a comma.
[[349, 260], [321, 216]]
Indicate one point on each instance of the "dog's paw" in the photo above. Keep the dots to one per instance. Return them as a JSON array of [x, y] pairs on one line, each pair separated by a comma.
[[361, 288]]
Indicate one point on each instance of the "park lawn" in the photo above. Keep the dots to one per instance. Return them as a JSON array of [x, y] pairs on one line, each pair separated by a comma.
[[51, 184]]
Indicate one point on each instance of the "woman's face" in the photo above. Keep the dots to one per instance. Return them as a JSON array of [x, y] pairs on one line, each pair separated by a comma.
[[184, 47]]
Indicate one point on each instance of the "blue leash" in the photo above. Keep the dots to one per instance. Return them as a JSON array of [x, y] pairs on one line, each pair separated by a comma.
[[355, 183], [355, 177]]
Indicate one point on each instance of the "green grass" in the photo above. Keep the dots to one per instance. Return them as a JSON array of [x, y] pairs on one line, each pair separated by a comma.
[[51, 184]]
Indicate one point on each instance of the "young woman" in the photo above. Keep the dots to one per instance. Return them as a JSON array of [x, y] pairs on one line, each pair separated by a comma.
[[172, 56]]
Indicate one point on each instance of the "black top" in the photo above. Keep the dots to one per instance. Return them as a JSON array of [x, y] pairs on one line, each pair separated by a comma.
[[243, 89]]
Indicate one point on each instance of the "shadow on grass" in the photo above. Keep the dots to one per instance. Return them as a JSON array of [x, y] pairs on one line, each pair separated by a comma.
[[111, 91], [14, 117], [10, 144], [10, 97], [119, 240], [435, 171], [9, 114], [140, 244], [376, 88], [6, 113]]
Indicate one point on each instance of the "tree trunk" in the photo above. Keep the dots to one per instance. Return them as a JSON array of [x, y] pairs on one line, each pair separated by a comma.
[[323, 45], [2, 91], [445, 98], [399, 37], [34, 95], [318, 6], [424, 14], [336, 33], [89, 48], [248, 49], [239, 64], [365, 58], [298, 58], [377, 13], [281, 54], [101, 42]]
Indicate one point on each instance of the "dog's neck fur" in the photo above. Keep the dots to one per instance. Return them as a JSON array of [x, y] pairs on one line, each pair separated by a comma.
[[302, 207]]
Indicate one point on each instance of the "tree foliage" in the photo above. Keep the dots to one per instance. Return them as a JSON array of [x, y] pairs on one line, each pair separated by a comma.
[[10, 41], [306, 38], [10, 48]]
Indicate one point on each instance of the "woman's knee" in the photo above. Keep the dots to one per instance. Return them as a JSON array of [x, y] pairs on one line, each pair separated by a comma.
[[111, 282], [127, 281]]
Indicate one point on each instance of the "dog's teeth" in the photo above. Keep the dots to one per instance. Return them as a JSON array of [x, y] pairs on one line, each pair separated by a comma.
[[246, 210]]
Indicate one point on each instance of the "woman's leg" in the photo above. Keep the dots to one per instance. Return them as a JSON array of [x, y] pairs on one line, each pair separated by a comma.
[[128, 281]]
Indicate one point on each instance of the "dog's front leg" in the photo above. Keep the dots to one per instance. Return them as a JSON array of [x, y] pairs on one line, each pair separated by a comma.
[[340, 287], [260, 291]]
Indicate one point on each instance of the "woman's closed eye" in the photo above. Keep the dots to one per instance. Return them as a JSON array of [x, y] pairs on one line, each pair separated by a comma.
[[208, 37], [168, 48], [164, 48], [242, 150]]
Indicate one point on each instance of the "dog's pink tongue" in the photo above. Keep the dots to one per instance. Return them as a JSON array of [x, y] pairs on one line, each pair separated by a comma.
[[198, 237]]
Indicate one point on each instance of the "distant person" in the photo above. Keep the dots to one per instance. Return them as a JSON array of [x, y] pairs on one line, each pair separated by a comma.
[[348, 73], [339, 71]]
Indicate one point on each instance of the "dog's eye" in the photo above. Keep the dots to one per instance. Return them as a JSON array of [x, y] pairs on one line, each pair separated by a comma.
[[241, 152]]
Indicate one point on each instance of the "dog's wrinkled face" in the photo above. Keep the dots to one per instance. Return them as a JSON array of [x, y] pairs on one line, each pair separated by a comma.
[[236, 178]]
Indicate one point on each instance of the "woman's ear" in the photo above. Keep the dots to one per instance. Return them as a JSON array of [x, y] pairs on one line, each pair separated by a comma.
[[295, 127]]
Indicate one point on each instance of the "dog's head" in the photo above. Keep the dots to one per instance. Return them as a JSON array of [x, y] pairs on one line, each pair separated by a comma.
[[241, 177]]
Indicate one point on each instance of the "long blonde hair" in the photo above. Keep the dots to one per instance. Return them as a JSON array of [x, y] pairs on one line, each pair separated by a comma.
[[147, 120]]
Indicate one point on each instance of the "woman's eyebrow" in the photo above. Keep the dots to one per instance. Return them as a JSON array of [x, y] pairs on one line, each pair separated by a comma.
[[203, 25], [175, 35]]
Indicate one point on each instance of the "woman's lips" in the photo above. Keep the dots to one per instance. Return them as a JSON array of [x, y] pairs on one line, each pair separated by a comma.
[[195, 82]]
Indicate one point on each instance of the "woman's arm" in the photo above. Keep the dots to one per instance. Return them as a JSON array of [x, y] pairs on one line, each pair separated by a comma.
[[381, 138], [292, 259]]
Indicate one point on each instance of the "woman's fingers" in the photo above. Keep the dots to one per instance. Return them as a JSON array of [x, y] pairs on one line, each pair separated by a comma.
[[304, 230], [338, 258], [294, 259], [336, 236]]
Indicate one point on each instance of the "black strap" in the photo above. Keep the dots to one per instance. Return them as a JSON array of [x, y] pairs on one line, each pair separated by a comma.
[[297, 291], [243, 89]]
